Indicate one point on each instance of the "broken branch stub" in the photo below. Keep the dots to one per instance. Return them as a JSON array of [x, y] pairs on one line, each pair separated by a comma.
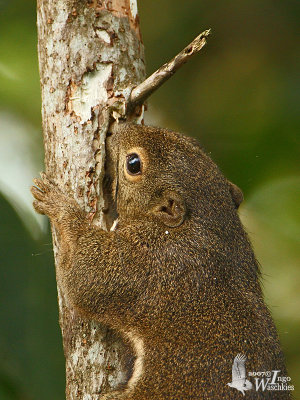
[[142, 91]]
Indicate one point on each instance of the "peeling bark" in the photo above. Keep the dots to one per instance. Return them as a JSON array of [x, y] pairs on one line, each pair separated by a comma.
[[90, 57]]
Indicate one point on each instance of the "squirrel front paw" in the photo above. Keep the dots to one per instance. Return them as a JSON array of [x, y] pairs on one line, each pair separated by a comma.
[[49, 199]]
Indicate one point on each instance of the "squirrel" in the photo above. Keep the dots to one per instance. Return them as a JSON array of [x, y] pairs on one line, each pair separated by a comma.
[[176, 276]]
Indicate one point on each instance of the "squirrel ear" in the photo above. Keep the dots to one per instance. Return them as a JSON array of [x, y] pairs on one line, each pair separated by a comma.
[[236, 194], [170, 210]]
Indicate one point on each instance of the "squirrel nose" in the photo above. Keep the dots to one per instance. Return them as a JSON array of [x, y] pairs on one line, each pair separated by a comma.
[[117, 127], [113, 128]]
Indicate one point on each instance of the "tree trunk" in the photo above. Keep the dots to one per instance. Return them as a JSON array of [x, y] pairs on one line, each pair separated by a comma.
[[90, 57]]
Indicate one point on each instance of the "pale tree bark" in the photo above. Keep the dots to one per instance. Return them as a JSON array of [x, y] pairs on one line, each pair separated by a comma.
[[90, 58]]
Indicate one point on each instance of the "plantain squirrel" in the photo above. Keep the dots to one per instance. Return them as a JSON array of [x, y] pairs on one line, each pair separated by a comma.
[[176, 275]]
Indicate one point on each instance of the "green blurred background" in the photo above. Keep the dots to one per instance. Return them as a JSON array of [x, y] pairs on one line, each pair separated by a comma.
[[239, 97]]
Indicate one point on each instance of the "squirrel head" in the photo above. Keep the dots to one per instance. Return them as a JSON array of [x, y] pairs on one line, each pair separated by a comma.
[[163, 176]]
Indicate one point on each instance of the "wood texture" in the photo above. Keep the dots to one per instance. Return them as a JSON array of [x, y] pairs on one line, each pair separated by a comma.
[[90, 57]]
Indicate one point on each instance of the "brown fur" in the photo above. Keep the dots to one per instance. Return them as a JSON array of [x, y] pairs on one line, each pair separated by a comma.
[[178, 276]]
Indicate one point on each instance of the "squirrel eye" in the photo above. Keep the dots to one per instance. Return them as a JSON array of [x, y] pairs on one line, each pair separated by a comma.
[[133, 164]]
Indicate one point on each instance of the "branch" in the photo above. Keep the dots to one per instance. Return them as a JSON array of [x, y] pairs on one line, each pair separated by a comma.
[[141, 92]]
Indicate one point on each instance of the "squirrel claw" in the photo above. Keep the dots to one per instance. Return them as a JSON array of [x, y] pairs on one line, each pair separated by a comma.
[[39, 184], [37, 192]]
